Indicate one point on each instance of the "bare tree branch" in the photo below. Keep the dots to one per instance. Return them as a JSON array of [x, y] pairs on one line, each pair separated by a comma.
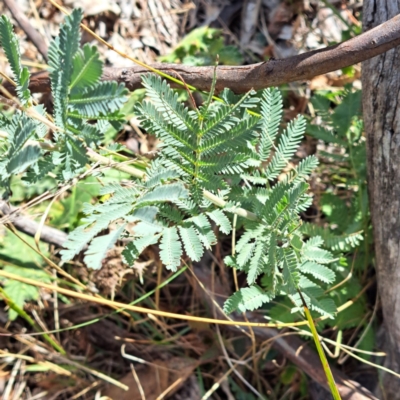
[[26, 225], [262, 75]]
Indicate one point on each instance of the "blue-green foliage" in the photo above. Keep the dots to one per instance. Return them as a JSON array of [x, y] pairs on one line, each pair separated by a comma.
[[345, 223], [75, 75], [202, 46], [211, 161], [206, 150], [9, 43], [347, 217]]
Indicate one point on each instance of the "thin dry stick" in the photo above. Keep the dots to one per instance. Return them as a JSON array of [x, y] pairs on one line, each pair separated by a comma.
[[252, 336], [138, 383], [169, 388], [47, 364], [142, 310], [11, 380], [84, 391], [343, 359], [221, 343], [216, 385], [159, 277]]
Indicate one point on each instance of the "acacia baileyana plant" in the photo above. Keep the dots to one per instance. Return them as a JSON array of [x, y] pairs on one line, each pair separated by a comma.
[[216, 161]]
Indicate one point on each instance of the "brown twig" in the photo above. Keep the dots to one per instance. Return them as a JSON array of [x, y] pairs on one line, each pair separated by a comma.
[[262, 75], [26, 225], [23, 22]]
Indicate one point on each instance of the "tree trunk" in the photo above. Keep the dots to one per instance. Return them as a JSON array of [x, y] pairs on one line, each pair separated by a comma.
[[381, 107]]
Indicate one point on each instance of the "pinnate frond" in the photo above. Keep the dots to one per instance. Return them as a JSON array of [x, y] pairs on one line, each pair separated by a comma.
[[288, 144], [61, 53], [104, 98], [257, 264], [247, 299], [271, 111], [87, 68], [166, 102], [291, 274], [318, 271], [331, 240], [191, 241], [219, 217], [171, 248], [99, 246], [133, 249], [9, 42]]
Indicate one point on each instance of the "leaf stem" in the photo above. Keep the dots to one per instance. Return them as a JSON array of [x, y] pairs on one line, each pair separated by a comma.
[[321, 353]]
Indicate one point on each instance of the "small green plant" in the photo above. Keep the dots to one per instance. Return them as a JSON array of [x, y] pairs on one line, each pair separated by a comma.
[[79, 97], [195, 180], [345, 202], [201, 47], [345, 223], [226, 158]]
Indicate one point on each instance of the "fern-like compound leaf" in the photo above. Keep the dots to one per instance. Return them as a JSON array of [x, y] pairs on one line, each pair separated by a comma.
[[99, 218], [152, 118], [72, 155], [318, 271], [61, 54], [291, 274], [225, 117], [133, 249], [271, 111], [245, 254], [312, 252], [331, 240], [165, 193], [191, 242], [91, 134], [314, 298], [166, 102], [171, 248], [21, 130], [23, 159], [156, 178], [204, 230], [257, 265], [247, 299], [237, 137], [219, 147], [288, 144], [302, 171], [104, 98], [87, 69], [99, 246], [39, 170], [170, 213], [9, 42], [219, 217]]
